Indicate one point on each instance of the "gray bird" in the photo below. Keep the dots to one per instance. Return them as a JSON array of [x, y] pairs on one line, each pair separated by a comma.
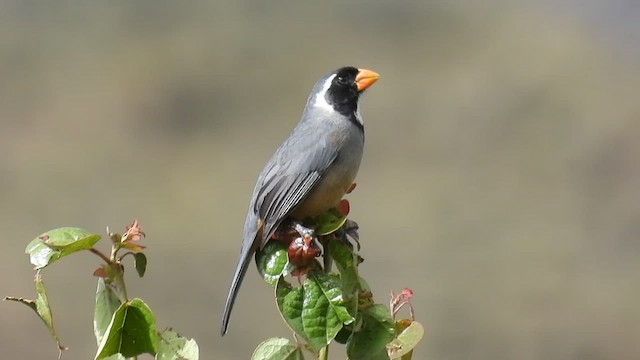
[[312, 170]]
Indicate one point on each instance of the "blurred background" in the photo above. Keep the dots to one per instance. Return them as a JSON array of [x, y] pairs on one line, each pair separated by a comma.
[[500, 180]]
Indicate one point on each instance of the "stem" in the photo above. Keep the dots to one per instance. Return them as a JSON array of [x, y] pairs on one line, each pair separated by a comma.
[[101, 255], [114, 253], [118, 281], [324, 353], [326, 257]]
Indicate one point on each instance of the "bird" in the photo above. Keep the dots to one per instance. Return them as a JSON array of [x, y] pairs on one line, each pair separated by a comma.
[[311, 170]]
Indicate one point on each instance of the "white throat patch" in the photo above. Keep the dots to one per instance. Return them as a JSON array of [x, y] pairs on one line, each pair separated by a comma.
[[320, 101]]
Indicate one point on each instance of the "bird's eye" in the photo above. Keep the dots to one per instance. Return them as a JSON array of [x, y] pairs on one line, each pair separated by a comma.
[[342, 80]]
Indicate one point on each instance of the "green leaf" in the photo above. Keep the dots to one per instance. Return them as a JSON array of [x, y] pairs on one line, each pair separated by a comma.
[[290, 302], [131, 332], [329, 222], [42, 308], [404, 343], [107, 302], [316, 310], [346, 261], [273, 261], [172, 346], [277, 349], [115, 357], [323, 311], [55, 244], [140, 262], [370, 341], [345, 258]]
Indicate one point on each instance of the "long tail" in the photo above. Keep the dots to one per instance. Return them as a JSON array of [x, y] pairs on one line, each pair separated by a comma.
[[238, 276]]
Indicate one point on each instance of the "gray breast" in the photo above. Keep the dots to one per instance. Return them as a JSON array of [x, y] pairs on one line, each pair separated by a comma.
[[337, 179]]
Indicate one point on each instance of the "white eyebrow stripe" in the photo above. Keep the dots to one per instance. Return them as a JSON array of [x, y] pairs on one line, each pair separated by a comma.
[[320, 100]]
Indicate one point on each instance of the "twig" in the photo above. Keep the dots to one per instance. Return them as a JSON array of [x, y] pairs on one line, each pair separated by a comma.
[[101, 255]]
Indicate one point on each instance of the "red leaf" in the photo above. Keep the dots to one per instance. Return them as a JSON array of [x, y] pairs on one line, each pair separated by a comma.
[[101, 273], [343, 207], [133, 232], [351, 188], [132, 246]]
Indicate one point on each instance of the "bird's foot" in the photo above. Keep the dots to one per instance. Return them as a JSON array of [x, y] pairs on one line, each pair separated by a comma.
[[303, 249], [307, 234]]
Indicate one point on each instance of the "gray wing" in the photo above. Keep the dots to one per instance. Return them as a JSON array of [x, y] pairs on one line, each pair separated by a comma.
[[287, 179]]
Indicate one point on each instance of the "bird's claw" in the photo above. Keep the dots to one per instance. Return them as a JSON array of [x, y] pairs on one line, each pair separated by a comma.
[[303, 249], [308, 235]]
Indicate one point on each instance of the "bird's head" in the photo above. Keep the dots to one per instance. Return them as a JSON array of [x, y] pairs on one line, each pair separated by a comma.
[[340, 90]]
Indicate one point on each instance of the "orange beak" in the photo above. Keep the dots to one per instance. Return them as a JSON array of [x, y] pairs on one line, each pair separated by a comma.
[[365, 78]]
